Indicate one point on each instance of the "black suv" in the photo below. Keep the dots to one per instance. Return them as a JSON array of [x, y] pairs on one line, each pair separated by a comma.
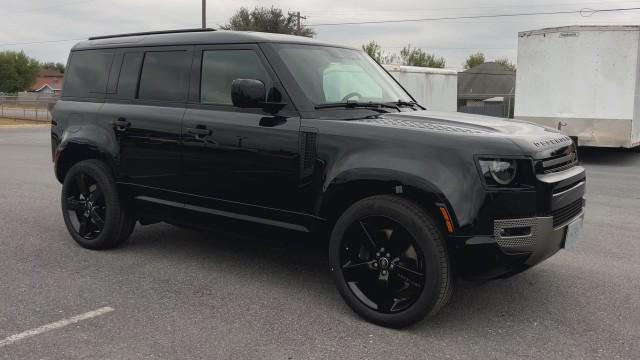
[[201, 128]]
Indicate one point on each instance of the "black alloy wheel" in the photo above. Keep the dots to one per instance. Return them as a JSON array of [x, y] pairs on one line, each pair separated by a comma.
[[382, 264], [86, 206], [390, 262], [93, 211]]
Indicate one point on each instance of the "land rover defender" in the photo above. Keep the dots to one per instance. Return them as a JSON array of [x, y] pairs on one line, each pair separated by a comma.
[[200, 127]]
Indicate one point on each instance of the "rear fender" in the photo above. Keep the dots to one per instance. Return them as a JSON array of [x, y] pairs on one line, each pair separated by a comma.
[[84, 141]]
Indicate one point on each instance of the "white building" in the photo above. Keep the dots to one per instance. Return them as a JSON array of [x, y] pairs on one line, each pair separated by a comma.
[[435, 89]]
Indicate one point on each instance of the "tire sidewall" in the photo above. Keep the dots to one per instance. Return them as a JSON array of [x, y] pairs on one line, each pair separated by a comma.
[[96, 171], [426, 242]]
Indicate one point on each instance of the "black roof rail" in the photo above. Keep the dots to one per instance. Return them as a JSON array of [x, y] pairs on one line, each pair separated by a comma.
[[177, 31]]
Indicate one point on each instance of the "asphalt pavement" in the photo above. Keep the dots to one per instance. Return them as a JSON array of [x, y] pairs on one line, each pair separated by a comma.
[[172, 293]]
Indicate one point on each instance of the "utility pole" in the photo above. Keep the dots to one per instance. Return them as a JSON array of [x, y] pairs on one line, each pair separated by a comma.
[[204, 14], [298, 25]]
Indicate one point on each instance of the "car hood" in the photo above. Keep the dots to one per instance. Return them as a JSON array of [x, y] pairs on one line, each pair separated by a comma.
[[531, 138]]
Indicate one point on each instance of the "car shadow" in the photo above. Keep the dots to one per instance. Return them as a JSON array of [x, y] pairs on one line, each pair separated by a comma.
[[301, 263], [283, 253]]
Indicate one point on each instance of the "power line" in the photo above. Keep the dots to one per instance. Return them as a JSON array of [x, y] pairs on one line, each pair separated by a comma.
[[582, 12], [42, 42], [47, 7], [447, 48], [429, 9]]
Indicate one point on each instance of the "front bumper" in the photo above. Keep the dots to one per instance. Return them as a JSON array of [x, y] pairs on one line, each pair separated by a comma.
[[537, 236], [518, 243]]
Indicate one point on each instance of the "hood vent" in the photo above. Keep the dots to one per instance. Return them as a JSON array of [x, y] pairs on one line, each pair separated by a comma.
[[426, 125]]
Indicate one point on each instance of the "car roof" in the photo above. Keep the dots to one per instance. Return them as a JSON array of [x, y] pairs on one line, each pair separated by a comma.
[[195, 37]]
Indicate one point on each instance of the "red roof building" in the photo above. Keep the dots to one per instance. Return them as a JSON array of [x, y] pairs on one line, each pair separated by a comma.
[[48, 82]]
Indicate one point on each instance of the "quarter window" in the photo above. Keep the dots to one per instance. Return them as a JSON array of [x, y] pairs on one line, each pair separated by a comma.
[[164, 76], [88, 73], [221, 67]]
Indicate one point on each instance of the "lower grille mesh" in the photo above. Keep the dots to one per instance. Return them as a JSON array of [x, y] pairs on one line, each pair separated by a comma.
[[566, 213], [521, 242]]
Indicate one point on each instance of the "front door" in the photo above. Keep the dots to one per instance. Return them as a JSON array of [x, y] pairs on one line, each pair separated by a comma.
[[238, 161]]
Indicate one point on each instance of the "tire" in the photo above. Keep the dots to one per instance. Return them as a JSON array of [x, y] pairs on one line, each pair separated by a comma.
[[92, 210], [409, 280]]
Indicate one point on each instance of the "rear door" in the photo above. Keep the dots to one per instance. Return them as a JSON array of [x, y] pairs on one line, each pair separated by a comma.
[[239, 161], [145, 106]]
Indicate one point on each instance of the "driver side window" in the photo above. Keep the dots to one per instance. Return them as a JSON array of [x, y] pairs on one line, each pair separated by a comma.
[[221, 67]]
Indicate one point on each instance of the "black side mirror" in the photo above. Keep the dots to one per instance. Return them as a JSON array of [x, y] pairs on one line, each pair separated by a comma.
[[248, 93], [251, 93]]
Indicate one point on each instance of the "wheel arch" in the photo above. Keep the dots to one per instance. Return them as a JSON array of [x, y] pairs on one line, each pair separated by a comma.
[[357, 184], [72, 152]]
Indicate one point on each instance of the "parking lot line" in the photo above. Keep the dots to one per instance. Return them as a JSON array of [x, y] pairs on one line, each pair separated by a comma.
[[54, 325]]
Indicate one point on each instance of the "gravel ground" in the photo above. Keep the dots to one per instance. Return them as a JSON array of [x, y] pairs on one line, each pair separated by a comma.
[[178, 293]]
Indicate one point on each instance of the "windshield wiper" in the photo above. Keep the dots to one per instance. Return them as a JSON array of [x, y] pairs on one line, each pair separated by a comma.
[[380, 107], [411, 104]]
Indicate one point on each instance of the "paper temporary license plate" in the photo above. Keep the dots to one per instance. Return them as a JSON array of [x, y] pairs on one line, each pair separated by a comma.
[[574, 232]]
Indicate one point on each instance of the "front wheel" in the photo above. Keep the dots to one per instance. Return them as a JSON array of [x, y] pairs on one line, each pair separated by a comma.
[[389, 261], [92, 211]]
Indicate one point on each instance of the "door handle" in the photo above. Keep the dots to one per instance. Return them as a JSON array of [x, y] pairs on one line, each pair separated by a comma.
[[199, 131], [121, 124]]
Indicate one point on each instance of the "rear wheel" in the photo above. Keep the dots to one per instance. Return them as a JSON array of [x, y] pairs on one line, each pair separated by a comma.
[[92, 210], [389, 261]]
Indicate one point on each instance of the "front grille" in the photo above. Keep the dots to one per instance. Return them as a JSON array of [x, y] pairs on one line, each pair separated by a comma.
[[556, 164], [566, 213]]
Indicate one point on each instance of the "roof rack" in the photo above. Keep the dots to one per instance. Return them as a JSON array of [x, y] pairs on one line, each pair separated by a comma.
[[177, 31]]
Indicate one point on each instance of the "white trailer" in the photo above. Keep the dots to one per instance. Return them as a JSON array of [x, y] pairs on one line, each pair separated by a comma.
[[435, 89], [583, 80]]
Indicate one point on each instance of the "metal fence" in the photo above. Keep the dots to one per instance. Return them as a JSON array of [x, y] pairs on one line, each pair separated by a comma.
[[31, 107]]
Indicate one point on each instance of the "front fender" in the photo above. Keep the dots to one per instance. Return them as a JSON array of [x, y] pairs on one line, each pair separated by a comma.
[[451, 178]]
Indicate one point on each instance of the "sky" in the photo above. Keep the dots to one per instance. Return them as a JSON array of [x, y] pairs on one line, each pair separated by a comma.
[[31, 25]]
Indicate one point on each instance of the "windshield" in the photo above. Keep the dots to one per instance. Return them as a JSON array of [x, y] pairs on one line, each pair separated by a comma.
[[335, 75]]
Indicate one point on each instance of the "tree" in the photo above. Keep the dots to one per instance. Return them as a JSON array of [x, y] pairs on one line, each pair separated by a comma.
[[266, 20], [54, 66], [374, 50], [17, 71], [506, 63], [474, 60], [407, 56], [417, 57]]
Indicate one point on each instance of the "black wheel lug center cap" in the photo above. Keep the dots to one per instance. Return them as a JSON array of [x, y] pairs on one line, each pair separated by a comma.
[[384, 263]]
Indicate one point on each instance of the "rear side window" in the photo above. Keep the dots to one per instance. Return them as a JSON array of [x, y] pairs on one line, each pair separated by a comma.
[[164, 76], [88, 73], [221, 67]]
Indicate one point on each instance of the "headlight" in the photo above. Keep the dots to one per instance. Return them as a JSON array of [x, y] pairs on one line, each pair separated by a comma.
[[499, 172]]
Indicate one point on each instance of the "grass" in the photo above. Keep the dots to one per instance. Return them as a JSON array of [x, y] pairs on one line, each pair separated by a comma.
[[20, 122]]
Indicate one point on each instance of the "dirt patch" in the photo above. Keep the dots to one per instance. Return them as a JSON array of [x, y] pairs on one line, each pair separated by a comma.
[[5, 122]]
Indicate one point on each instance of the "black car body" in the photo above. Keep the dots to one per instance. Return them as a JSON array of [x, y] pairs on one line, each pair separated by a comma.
[[136, 104]]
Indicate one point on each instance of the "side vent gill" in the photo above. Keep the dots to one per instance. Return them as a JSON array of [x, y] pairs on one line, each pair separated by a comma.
[[307, 153]]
